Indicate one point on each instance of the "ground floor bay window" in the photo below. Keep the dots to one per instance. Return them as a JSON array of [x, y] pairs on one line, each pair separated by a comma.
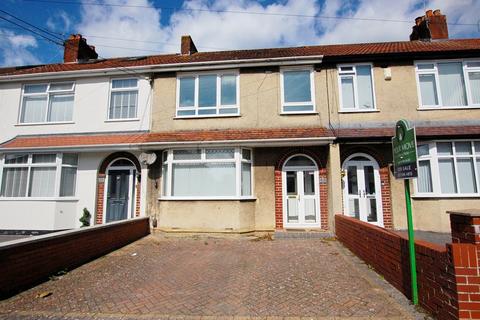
[[448, 168], [42, 175], [207, 173]]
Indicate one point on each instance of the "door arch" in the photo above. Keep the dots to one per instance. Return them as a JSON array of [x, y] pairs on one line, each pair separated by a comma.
[[120, 190], [301, 197], [362, 193]]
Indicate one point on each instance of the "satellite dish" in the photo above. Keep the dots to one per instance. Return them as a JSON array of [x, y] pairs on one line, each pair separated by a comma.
[[147, 157]]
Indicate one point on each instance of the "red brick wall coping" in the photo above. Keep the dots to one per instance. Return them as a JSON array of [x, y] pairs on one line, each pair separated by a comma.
[[448, 277], [27, 262], [387, 253]]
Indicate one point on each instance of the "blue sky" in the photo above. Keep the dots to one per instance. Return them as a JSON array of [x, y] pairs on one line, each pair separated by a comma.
[[144, 27]]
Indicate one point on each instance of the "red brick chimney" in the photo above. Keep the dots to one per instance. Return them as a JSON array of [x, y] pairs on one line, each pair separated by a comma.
[[77, 49], [437, 23], [188, 47], [431, 26]]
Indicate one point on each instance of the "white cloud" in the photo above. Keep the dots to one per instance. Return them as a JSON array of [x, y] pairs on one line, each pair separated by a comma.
[[16, 49], [114, 23], [218, 25], [59, 22], [351, 31]]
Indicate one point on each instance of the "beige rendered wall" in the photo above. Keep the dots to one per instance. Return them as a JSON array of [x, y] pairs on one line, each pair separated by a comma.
[[428, 213], [260, 104], [219, 216], [334, 180], [395, 99]]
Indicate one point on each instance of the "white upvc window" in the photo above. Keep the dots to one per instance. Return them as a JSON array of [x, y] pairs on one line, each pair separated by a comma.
[[123, 99], [448, 84], [208, 94], [47, 102], [448, 169], [207, 173], [297, 90], [38, 175], [356, 86]]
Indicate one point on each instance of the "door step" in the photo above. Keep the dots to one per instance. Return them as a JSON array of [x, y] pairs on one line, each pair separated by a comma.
[[297, 234]]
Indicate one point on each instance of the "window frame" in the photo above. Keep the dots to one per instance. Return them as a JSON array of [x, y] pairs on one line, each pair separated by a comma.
[[238, 160], [465, 72], [218, 106], [48, 94], [433, 157], [284, 104], [341, 74], [112, 90], [58, 165]]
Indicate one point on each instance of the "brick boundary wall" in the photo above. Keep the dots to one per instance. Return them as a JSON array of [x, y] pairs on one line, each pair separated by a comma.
[[27, 262], [448, 276]]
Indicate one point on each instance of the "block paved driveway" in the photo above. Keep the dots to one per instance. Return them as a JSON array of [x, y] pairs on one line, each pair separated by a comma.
[[206, 278]]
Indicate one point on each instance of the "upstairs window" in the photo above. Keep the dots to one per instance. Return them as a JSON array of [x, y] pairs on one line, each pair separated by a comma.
[[50, 102], [123, 99], [356, 87], [207, 95], [449, 84], [297, 90]]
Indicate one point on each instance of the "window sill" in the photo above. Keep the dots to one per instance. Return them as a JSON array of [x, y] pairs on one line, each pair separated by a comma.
[[447, 108], [207, 116], [358, 111], [445, 196], [123, 120], [298, 113], [241, 199], [53, 199], [42, 123]]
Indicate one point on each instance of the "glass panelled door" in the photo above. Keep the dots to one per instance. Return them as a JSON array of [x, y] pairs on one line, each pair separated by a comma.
[[362, 194], [301, 196], [119, 194]]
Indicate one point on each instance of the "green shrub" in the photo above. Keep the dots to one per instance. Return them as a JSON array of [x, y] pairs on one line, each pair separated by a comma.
[[85, 219]]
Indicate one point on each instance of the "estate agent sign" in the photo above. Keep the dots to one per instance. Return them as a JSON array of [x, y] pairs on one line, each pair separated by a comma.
[[404, 147]]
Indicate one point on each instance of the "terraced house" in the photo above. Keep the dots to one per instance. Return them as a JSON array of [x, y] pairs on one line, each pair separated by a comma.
[[242, 141]]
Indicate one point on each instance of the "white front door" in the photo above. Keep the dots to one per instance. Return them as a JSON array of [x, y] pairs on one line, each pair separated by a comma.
[[301, 197], [362, 191]]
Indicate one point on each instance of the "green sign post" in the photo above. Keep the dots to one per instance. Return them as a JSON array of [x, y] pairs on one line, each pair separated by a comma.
[[404, 145]]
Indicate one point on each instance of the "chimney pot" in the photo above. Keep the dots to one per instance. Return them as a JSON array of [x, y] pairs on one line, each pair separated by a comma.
[[187, 46], [437, 24], [432, 26], [76, 48]]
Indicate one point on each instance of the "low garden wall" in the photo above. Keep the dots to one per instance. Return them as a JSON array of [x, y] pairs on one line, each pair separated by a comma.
[[26, 262], [448, 276]]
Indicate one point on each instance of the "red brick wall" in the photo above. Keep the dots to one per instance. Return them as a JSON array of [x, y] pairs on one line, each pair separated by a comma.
[[466, 258], [25, 264], [386, 197], [387, 253], [100, 194]]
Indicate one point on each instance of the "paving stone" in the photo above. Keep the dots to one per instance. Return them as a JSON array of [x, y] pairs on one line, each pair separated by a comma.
[[184, 278]]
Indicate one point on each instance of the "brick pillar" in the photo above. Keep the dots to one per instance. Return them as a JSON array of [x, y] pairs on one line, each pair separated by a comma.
[[278, 200], [386, 197], [465, 226], [100, 194]]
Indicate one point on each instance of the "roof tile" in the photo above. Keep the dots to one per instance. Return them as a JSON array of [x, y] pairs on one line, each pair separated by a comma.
[[328, 51]]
